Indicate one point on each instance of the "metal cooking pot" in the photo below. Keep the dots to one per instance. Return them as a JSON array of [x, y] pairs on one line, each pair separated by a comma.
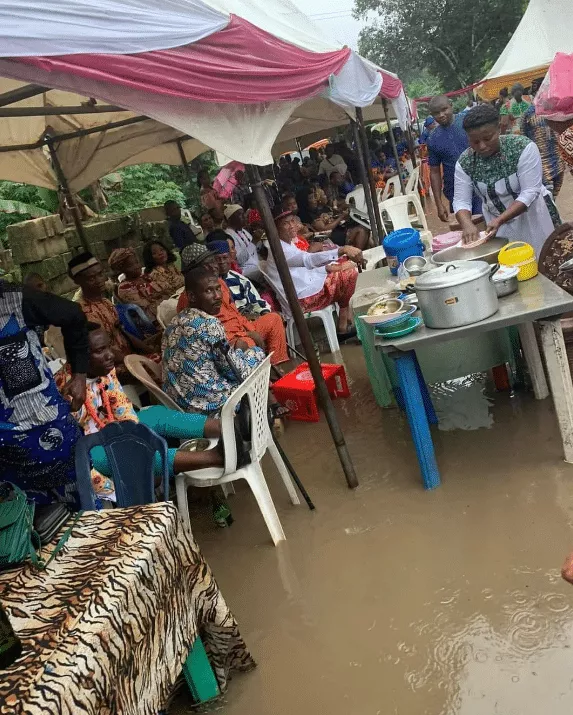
[[505, 281], [488, 252], [457, 294]]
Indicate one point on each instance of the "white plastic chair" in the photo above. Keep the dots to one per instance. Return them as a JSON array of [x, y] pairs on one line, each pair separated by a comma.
[[166, 311], [256, 387], [148, 373], [413, 180], [373, 256], [392, 181], [357, 199], [409, 164], [326, 315], [398, 210]]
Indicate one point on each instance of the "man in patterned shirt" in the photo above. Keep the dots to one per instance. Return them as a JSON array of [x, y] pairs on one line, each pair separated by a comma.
[[196, 352]]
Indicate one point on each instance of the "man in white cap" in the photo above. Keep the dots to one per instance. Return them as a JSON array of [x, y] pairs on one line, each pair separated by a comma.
[[247, 256]]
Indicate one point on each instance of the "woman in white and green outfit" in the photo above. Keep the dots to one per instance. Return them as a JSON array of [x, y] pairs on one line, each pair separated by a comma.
[[506, 173]]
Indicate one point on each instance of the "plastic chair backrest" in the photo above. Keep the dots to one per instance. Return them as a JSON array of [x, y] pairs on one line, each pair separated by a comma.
[[166, 311], [130, 448], [398, 211], [395, 182], [147, 372], [359, 199], [256, 387], [128, 323], [412, 183], [277, 290], [409, 164], [372, 256]]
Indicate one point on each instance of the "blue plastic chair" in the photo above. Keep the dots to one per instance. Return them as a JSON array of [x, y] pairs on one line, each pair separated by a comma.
[[126, 311], [130, 448]]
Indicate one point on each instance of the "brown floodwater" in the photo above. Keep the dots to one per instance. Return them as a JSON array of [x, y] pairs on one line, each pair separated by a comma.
[[392, 600]]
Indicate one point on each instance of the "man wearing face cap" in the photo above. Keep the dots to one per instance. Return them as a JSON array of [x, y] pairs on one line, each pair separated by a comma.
[[247, 255]]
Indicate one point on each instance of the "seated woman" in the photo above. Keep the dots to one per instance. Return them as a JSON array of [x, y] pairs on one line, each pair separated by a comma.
[[196, 352], [160, 266], [506, 173], [319, 281], [138, 287], [106, 402]]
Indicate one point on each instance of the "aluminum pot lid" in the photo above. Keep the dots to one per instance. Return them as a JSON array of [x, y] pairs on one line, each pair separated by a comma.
[[504, 273], [452, 274]]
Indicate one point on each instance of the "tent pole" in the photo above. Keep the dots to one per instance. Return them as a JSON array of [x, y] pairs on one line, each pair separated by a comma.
[[365, 183], [67, 193], [184, 163], [302, 327], [370, 175], [299, 147], [393, 145]]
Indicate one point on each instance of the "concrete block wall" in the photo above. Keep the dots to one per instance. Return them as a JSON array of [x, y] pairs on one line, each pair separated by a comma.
[[45, 246]]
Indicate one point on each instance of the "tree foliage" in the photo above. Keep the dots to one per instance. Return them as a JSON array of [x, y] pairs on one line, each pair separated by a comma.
[[457, 41]]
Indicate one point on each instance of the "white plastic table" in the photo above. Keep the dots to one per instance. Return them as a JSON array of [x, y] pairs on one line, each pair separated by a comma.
[[537, 300]]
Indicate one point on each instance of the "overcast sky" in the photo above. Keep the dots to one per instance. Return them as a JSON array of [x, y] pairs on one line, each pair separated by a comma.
[[335, 17]]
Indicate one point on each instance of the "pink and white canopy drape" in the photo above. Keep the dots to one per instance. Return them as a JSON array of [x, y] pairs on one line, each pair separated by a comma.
[[227, 80]]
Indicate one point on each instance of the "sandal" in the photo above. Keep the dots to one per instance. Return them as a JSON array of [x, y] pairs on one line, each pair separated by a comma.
[[342, 337], [278, 411]]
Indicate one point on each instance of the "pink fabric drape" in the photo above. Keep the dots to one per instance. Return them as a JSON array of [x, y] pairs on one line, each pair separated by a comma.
[[240, 64], [391, 86]]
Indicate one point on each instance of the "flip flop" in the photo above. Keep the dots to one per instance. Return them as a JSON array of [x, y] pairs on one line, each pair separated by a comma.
[[342, 337]]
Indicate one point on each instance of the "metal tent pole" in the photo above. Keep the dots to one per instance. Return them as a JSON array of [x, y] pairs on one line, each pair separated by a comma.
[[393, 145], [368, 167], [67, 193], [365, 183], [313, 362], [184, 163]]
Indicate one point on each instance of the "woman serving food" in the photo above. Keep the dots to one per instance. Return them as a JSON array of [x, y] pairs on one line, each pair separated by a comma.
[[506, 173]]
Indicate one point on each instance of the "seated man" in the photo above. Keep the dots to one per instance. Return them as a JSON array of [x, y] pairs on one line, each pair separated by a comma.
[[266, 331], [106, 402], [247, 255], [244, 294], [319, 281], [196, 352], [180, 232], [87, 272]]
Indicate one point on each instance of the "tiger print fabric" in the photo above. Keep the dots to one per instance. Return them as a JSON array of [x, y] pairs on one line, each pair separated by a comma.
[[107, 627]]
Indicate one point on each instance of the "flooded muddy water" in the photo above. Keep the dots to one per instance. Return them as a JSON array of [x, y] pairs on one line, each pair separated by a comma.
[[392, 600]]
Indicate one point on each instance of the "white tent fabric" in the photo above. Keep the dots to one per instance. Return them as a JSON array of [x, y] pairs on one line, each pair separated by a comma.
[[47, 28], [244, 132], [545, 28]]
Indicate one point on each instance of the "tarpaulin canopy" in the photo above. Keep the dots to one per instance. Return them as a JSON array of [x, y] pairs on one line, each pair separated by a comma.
[[230, 81], [545, 29]]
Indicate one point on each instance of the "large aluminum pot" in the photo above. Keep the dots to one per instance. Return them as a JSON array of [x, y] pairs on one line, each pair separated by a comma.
[[487, 251], [457, 294]]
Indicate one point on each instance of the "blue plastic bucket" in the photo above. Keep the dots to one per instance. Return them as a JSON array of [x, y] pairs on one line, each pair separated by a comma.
[[400, 245]]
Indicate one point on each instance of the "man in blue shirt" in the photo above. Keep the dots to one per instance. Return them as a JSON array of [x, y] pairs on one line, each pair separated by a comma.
[[445, 145]]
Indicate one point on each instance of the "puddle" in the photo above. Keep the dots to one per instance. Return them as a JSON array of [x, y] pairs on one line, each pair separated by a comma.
[[462, 403]]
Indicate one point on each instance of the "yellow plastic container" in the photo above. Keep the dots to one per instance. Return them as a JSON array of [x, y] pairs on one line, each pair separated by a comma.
[[522, 255]]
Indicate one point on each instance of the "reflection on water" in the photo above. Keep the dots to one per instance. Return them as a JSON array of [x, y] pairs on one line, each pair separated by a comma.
[[389, 600], [462, 403]]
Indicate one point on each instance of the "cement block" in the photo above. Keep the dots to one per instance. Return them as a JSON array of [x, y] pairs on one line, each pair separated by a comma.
[[72, 238], [155, 230], [62, 285], [55, 245], [155, 213], [100, 250]]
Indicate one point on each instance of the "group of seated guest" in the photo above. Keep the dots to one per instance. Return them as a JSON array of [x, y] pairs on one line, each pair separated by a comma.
[[265, 330], [89, 274]]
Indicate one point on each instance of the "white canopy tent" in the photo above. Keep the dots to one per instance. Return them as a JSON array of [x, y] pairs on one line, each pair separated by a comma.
[[148, 132], [545, 29]]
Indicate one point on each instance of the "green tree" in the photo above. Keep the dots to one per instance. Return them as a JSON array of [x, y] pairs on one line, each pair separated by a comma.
[[457, 41]]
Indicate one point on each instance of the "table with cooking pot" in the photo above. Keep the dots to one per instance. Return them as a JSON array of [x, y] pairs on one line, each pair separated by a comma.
[[460, 305]]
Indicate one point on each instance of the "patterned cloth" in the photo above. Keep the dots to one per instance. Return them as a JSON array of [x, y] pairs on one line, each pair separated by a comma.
[[37, 434], [536, 128], [144, 292], [197, 373], [168, 278], [107, 627], [514, 110], [245, 296], [514, 173], [338, 288]]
